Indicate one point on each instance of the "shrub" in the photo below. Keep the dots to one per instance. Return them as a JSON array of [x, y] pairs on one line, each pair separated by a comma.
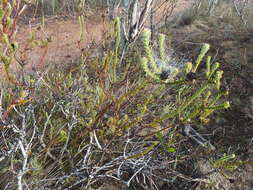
[[103, 118]]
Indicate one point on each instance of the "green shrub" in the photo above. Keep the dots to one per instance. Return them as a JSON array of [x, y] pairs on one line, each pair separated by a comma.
[[197, 101], [102, 119]]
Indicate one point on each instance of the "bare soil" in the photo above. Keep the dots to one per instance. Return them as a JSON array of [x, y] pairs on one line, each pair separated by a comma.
[[63, 34], [64, 39]]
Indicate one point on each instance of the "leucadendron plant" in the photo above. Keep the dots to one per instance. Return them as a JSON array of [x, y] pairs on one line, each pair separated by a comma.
[[100, 118], [73, 116], [197, 97]]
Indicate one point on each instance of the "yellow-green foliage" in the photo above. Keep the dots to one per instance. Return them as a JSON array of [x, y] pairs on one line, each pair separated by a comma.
[[81, 23], [149, 54], [190, 107], [84, 109], [7, 45], [10, 12], [151, 66], [203, 52], [145, 66], [161, 46], [228, 163]]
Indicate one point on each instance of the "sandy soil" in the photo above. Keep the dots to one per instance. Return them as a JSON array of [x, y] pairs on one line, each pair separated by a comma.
[[64, 40], [64, 37]]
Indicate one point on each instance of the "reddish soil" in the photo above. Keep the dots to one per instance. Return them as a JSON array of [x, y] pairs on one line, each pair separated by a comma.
[[64, 40], [64, 37]]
